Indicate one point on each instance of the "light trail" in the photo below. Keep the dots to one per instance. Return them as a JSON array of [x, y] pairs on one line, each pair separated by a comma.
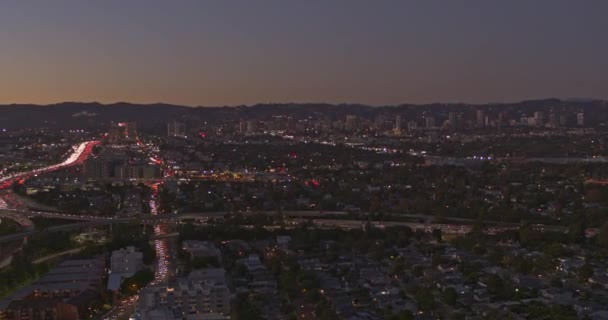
[[160, 245], [79, 153]]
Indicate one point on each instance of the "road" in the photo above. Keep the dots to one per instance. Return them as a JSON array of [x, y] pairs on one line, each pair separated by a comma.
[[322, 219], [161, 245], [57, 255], [425, 220], [8, 200], [162, 269], [79, 153]]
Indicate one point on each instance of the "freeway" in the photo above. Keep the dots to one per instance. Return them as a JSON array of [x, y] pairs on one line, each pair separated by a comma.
[[79, 153], [22, 220], [63, 227], [424, 219], [168, 218]]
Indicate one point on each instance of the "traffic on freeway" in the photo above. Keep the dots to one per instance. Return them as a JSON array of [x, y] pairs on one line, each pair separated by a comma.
[[161, 272], [79, 153]]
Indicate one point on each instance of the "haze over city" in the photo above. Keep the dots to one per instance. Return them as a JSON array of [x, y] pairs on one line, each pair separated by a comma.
[[215, 53], [303, 160]]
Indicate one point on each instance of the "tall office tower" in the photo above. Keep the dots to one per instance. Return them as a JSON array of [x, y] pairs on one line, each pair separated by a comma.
[[539, 118], [351, 122], [412, 126], [481, 118], [251, 126], [502, 118], [398, 123], [379, 122], [453, 119], [123, 132], [553, 120], [580, 119], [429, 121], [176, 129], [105, 165]]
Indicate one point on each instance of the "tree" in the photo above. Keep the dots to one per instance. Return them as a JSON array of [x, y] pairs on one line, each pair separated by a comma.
[[528, 235], [245, 308], [425, 299], [555, 249], [585, 272], [437, 234], [133, 284], [450, 296], [602, 237], [576, 231], [402, 315], [398, 266]]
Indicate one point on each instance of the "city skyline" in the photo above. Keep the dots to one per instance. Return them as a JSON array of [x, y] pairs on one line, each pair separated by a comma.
[[234, 53], [296, 160]]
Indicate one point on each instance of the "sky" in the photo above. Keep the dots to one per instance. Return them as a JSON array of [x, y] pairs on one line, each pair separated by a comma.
[[231, 52]]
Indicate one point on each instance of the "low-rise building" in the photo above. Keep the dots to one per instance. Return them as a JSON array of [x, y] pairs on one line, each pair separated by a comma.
[[126, 261], [204, 295], [201, 249], [123, 264]]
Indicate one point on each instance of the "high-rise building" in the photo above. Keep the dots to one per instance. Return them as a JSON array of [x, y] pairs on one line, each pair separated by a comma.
[[251, 127], [123, 132], [453, 119], [412, 126], [502, 118], [553, 120], [481, 118], [580, 119], [176, 129], [429, 121], [105, 165], [351, 122], [398, 124], [539, 118], [379, 122], [242, 126]]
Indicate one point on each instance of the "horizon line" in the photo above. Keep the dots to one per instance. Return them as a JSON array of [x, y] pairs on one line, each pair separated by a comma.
[[571, 99]]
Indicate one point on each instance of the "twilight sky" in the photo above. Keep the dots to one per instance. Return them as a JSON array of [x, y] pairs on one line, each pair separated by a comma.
[[226, 52]]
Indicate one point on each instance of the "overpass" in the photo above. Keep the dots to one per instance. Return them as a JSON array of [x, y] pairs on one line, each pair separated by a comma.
[[179, 216], [78, 154], [424, 220], [321, 219], [21, 219], [348, 224], [165, 236]]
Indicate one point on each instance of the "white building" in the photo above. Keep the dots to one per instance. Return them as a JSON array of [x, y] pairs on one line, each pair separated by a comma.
[[126, 261], [123, 264], [203, 296]]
